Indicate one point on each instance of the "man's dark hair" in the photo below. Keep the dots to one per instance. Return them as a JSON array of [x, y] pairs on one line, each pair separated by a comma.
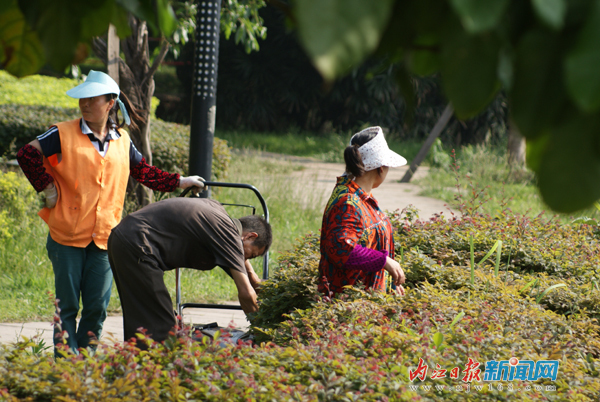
[[254, 223]]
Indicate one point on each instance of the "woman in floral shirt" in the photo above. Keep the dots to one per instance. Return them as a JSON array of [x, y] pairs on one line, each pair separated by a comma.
[[357, 244]]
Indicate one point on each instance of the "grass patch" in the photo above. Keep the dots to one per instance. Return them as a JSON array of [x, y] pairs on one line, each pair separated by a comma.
[[327, 147], [486, 183]]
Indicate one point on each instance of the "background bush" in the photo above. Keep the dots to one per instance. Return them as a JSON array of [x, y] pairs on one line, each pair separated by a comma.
[[278, 89]]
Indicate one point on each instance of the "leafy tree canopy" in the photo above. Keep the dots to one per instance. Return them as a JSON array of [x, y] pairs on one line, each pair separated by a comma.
[[544, 53]]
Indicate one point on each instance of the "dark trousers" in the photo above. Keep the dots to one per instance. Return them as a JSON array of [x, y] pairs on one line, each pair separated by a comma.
[[80, 272], [145, 300]]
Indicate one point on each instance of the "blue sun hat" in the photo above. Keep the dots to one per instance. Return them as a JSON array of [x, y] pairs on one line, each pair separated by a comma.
[[98, 83]]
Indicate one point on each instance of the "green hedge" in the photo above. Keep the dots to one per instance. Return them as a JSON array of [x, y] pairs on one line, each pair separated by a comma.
[[363, 345], [20, 124]]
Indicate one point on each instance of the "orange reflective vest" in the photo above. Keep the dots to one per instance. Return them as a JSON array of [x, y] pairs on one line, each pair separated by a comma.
[[91, 188]]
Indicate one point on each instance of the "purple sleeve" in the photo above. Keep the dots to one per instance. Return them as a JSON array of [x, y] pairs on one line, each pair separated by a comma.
[[366, 259]]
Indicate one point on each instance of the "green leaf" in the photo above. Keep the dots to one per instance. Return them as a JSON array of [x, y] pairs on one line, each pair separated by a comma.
[[551, 12], [498, 256], [489, 253], [537, 95], [96, 23], [143, 9], [456, 319], [535, 150], [540, 297], [479, 15], [584, 220], [472, 254], [530, 284], [7, 5], [45, 16], [423, 62], [167, 21], [581, 65], [22, 52], [469, 66], [339, 34], [438, 338], [569, 172]]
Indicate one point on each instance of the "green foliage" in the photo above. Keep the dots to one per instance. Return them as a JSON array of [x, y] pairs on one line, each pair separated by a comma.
[[242, 18], [30, 39], [292, 286], [37, 90], [17, 200], [21, 52], [486, 168], [543, 53], [171, 150], [335, 47], [24, 266], [21, 124], [538, 300]]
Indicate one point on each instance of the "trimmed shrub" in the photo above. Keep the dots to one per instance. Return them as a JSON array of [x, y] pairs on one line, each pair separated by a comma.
[[171, 150], [19, 124]]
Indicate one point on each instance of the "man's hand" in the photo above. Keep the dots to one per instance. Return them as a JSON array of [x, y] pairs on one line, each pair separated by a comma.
[[246, 294], [397, 274], [192, 181]]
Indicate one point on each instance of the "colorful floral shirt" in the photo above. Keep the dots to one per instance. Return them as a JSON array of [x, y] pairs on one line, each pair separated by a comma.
[[352, 217]]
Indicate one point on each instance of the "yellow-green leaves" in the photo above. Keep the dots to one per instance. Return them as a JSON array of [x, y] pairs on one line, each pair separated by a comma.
[[338, 34]]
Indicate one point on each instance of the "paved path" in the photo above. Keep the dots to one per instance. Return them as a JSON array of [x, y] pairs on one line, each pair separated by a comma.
[[319, 179]]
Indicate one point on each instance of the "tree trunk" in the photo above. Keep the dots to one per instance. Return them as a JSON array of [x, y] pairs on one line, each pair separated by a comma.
[[516, 146], [137, 82], [437, 130]]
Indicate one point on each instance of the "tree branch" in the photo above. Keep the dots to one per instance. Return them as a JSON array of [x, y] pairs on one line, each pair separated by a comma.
[[164, 48], [100, 49]]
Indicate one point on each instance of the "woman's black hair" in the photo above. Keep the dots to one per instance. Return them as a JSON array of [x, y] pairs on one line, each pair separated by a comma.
[[135, 114], [354, 165]]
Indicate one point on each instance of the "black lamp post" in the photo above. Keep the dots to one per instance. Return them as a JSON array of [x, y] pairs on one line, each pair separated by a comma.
[[204, 89]]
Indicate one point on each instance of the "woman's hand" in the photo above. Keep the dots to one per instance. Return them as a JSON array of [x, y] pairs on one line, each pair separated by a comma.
[[51, 195], [397, 274], [192, 181]]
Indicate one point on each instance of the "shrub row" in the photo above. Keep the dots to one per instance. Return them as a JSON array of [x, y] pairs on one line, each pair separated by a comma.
[[360, 347], [364, 345]]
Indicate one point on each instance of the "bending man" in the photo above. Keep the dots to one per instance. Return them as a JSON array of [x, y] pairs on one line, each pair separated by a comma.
[[187, 233]]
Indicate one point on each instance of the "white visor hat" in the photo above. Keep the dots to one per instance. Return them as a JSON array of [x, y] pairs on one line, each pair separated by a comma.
[[376, 152], [98, 83]]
